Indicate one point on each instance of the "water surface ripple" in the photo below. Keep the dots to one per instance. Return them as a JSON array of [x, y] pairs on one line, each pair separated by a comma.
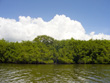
[[43, 73]]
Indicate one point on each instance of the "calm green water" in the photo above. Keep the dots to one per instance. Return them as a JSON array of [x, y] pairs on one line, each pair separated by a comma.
[[74, 73]]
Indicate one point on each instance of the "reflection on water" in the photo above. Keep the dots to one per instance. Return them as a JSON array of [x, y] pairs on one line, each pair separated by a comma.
[[40, 73]]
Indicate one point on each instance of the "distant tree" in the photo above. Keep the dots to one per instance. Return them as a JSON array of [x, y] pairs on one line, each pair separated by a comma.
[[44, 49]]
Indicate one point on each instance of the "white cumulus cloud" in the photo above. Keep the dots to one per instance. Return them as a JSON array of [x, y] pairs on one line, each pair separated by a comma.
[[60, 27]]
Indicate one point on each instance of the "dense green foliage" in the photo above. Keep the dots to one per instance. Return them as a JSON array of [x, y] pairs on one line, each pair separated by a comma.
[[45, 49]]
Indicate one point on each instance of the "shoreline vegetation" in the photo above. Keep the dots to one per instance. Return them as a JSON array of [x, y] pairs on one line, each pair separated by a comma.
[[46, 50]]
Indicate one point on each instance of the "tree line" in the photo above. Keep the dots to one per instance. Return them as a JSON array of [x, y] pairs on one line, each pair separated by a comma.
[[45, 49]]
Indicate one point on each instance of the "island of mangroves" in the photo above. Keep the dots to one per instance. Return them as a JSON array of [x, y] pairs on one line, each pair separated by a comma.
[[47, 50]]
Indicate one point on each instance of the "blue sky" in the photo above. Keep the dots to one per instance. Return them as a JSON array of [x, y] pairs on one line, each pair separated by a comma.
[[94, 15]]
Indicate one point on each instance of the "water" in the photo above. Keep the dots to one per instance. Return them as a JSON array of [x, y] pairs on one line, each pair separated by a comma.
[[42, 73]]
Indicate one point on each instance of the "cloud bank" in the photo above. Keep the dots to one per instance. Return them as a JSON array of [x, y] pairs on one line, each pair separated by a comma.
[[60, 27]]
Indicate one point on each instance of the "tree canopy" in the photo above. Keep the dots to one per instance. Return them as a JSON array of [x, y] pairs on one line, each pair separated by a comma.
[[44, 49]]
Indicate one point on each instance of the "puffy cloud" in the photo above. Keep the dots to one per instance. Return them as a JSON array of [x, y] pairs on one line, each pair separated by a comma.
[[60, 27]]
